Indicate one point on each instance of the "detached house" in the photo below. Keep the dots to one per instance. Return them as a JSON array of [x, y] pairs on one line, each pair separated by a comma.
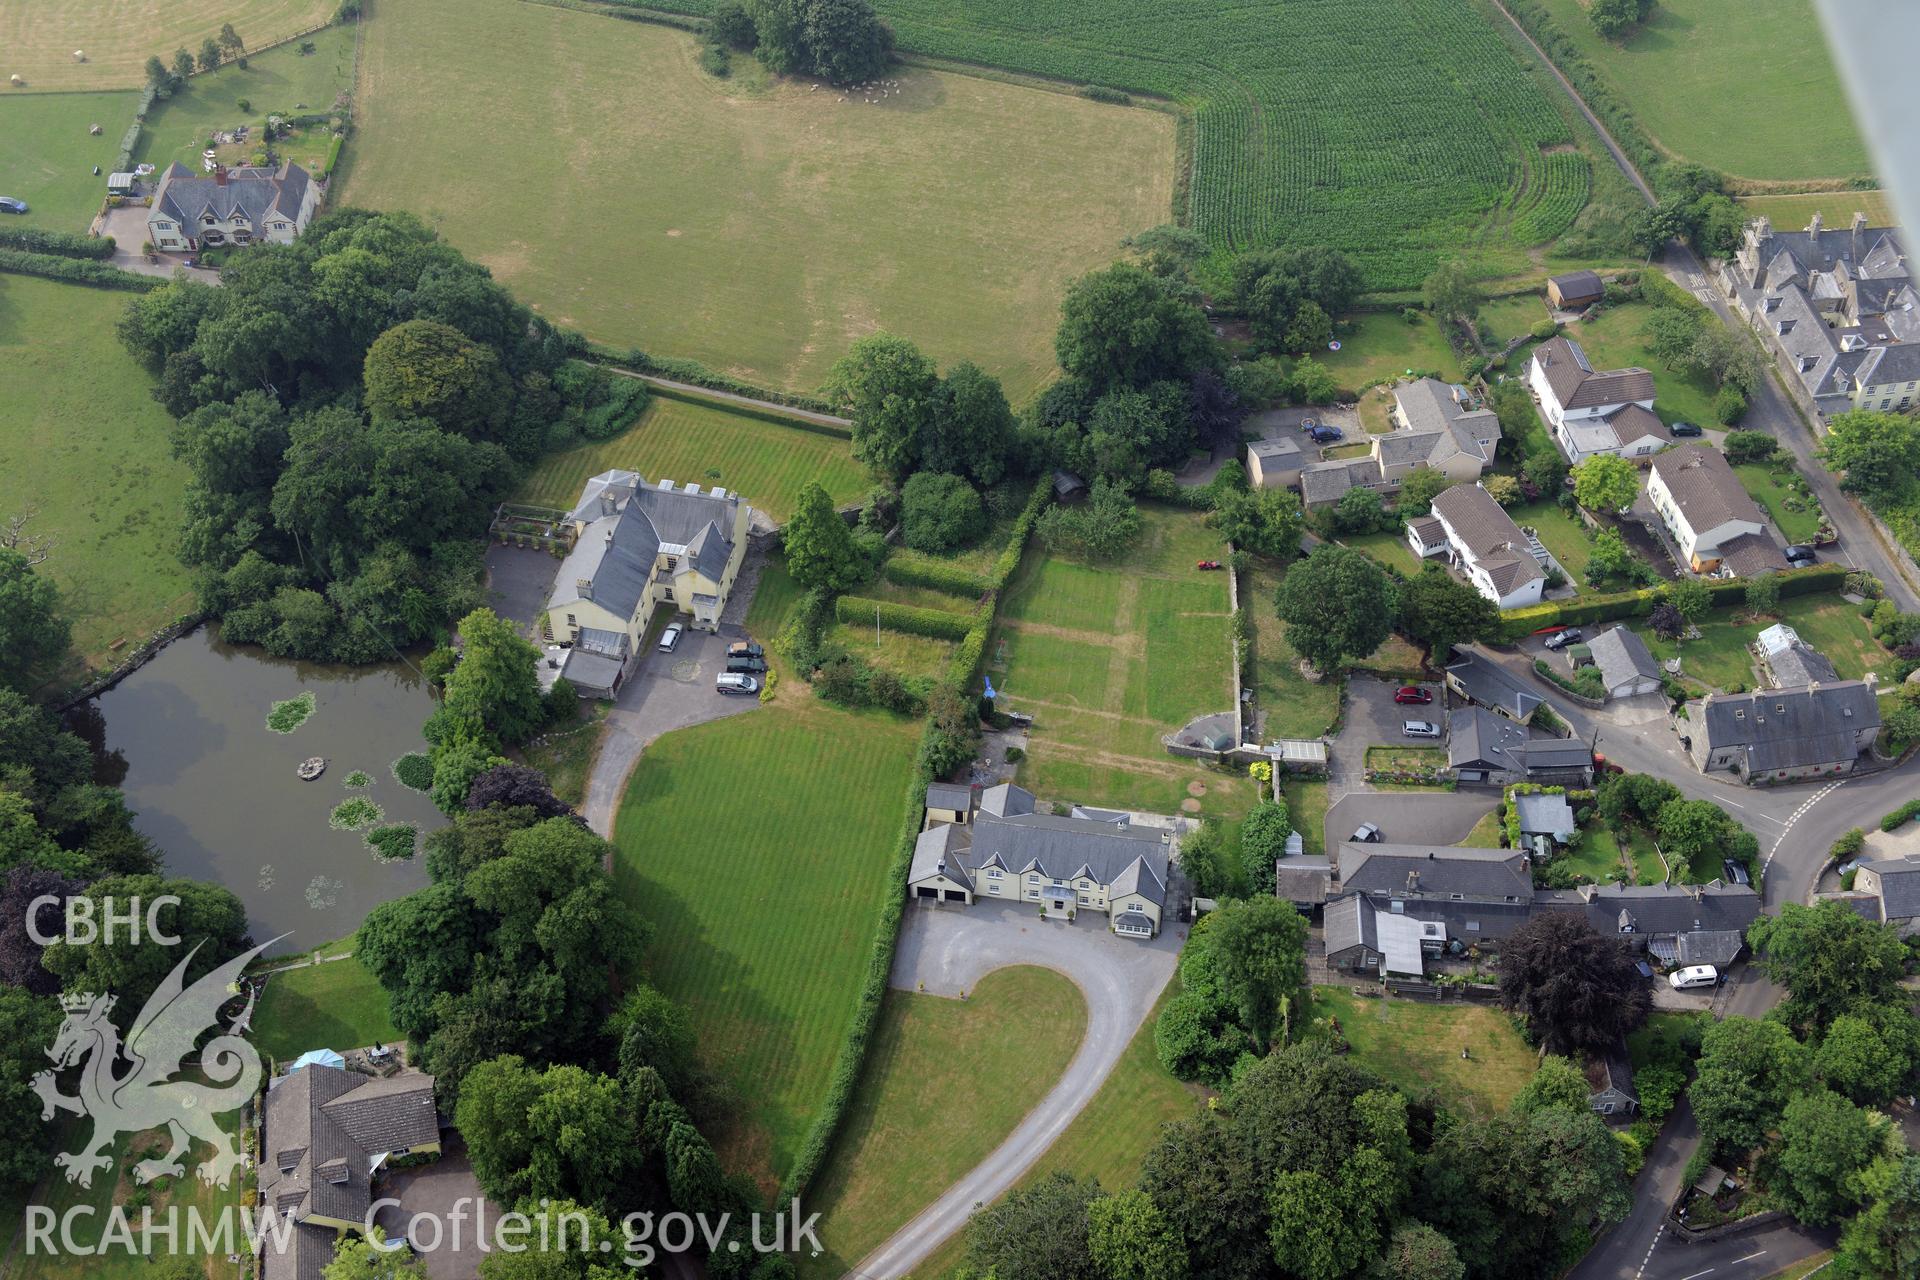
[[1774, 735], [640, 547], [1838, 309], [1894, 884], [1595, 411], [1484, 543], [1435, 424], [325, 1132], [192, 212], [1484, 749], [1089, 860], [1627, 667], [1718, 528]]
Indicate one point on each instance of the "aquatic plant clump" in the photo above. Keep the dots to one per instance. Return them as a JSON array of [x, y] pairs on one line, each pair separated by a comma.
[[415, 770], [394, 840], [354, 815], [357, 779], [285, 717]]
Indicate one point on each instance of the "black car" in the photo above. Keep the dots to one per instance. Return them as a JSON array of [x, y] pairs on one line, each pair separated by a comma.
[[745, 649], [1801, 554], [10, 205], [1685, 430], [1561, 639], [1326, 435], [746, 666]]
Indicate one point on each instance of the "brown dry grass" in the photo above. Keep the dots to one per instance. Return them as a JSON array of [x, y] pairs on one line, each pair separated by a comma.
[[38, 37]]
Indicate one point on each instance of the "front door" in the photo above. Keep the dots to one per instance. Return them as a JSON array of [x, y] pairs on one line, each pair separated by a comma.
[[1059, 902]]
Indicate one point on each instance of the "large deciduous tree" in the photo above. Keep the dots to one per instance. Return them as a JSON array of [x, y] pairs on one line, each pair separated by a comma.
[[1830, 960], [894, 396], [425, 369], [1267, 522], [1037, 1232], [1337, 604], [1578, 989], [821, 554], [1605, 483], [1700, 834], [1826, 1143], [1748, 1071], [1879, 452], [1440, 612], [1125, 327], [33, 633], [1261, 946]]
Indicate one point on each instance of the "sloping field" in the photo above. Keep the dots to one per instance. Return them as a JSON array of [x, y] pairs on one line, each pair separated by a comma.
[[38, 37], [759, 227]]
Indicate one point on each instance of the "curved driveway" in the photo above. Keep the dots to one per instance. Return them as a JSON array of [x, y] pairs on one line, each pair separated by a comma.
[[946, 951]]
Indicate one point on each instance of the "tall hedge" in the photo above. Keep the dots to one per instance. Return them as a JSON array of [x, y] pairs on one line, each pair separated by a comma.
[[62, 244], [78, 270], [934, 574], [1582, 610], [939, 624]]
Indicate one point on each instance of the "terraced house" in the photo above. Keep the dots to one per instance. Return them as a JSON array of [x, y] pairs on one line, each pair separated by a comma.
[[997, 845]]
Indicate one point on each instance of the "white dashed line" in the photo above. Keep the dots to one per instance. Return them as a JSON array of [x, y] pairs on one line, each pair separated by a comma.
[[1750, 1257], [1650, 1248], [1696, 1275], [1795, 816]]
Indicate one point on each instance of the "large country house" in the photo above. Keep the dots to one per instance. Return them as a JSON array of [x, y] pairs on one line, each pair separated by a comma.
[[1838, 309], [192, 211], [640, 547], [1715, 523], [326, 1132], [1595, 411], [1435, 424], [997, 846]]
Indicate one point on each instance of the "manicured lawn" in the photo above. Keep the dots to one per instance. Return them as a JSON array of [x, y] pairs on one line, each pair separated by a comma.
[[756, 225], [1800, 522], [1485, 833], [701, 443], [1379, 346], [1699, 73], [1390, 549], [277, 82], [40, 36], [1416, 1047], [903, 1141], [1109, 657], [76, 422], [1513, 317], [1836, 209], [47, 155], [1613, 341], [1720, 656], [1564, 537], [776, 594], [1111, 1139], [335, 1005], [758, 847], [1307, 804], [1295, 707]]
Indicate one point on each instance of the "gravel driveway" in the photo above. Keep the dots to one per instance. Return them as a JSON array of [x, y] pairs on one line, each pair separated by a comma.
[[949, 949]]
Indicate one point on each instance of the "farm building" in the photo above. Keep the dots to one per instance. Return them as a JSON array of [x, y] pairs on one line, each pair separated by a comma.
[[1575, 289]]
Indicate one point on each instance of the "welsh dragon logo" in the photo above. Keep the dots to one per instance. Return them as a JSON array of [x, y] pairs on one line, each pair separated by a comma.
[[145, 1096]]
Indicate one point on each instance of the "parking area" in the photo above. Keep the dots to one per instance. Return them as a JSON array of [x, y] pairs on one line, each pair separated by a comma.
[[519, 580], [1410, 817], [436, 1197], [128, 227], [1372, 718], [1288, 422]]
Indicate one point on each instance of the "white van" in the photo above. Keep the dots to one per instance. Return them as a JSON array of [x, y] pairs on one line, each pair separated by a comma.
[[1694, 975], [733, 682]]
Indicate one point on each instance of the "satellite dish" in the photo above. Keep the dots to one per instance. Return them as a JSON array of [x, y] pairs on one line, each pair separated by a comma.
[[1334, 345]]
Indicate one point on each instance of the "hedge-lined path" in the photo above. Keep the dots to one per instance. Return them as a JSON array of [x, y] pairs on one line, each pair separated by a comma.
[[729, 397], [949, 949]]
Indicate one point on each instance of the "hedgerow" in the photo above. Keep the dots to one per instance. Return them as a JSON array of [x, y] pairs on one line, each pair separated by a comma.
[[1901, 816], [939, 624], [1582, 610], [77, 270], [62, 244], [933, 574]]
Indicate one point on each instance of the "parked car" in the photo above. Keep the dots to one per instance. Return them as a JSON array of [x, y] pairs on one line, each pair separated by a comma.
[[1685, 430], [670, 638], [1799, 555], [1736, 872], [1420, 728], [10, 205], [746, 666], [734, 682], [1561, 639], [745, 649], [1694, 975], [1413, 693], [1325, 434], [1367, 833]]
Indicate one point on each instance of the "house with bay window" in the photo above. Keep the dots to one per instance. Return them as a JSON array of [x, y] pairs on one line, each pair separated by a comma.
[[193, 212]]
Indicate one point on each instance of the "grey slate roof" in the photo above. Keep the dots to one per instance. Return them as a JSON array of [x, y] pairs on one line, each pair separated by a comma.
[[1302, 879], [1006, 800], [259, 194], [1578, 385], [1490, 533], [1008, 834], [1789, 728], [949, 795], [1478, 738], [1431, 406], [1799, 664], [629, 523], [1545, 815], [1435, 871], [587, 669], [1705, 488], [1657, 908], [1748, 555], [940, 850], [1326, 481], [1578, 284], [1348, 923], [1622, 656], [1489, 686], [1899, 886]]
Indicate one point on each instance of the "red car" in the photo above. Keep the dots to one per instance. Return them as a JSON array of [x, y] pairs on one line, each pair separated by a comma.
[[1413, 693]]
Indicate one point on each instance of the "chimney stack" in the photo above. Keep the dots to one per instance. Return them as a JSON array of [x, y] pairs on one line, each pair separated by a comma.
[[219, 175], [1813, 227], [1859, 231], [585, 587]]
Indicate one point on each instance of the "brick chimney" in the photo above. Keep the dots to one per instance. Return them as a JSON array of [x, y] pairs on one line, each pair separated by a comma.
[[1859, 232], [1813, 227], [219, 175]]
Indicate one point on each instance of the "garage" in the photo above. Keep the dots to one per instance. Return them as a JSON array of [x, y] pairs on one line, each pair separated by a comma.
[[956, 895], [928, 891]]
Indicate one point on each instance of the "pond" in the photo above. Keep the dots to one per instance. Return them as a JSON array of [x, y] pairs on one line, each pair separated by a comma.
[[216, 789]]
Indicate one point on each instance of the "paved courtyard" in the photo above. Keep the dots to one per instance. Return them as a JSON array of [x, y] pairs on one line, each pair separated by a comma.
[[433, 1194]]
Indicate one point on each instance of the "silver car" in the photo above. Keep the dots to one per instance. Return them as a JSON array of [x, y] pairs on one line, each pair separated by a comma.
[[1420, 728]]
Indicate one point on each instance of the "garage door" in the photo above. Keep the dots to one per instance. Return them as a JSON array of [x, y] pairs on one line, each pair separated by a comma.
[[956, 895], [928, 891]]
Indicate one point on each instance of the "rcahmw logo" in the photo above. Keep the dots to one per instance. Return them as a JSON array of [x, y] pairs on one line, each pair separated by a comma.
[[82, 929]]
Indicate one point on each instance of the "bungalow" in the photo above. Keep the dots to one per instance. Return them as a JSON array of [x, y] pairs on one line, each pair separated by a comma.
[[1627, 667], [1435, 424], [325, 1132], [1485, 545], [1594, 411], [1774, 735], [1479, 680], [1895, 886], [638, 547], [1716, 525], [230, 206], [1484, 749], [1002, 848]]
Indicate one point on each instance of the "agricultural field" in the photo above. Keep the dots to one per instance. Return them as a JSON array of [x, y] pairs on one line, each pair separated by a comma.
[[704, 444], [1700, 74], [1836, 209], [76, 420], [118, 36], [47, 155], [1107, 658], [1398, 138], [758, 846], [333, 1005], [282, 81], [1416, 1047], [756, 225], [903, 1141]]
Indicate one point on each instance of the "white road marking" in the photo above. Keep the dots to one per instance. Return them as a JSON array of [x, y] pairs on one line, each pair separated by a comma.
[[1795, 816], [1750, 1257], [1696, 1275], [1650, 1248]]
